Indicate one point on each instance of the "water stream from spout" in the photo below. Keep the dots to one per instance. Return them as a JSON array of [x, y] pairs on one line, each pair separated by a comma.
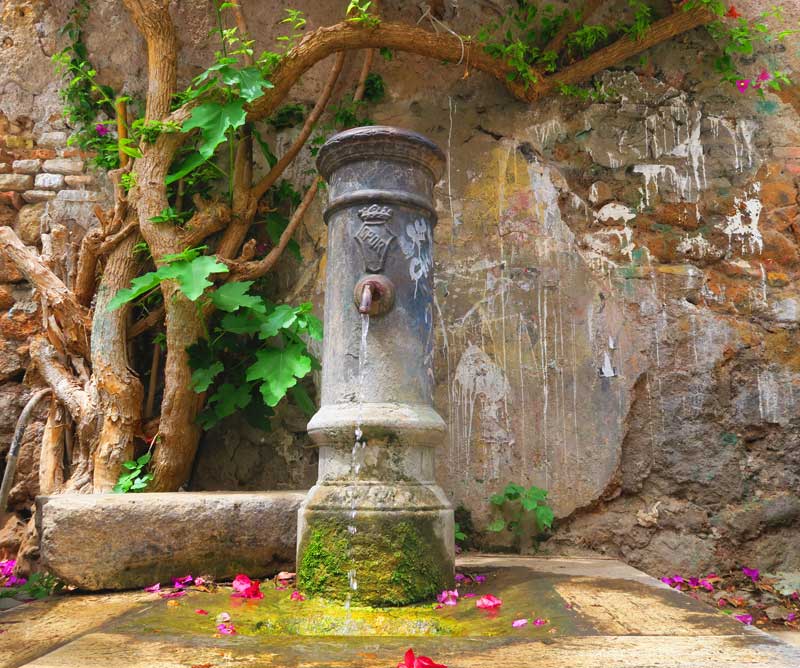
[[356, 459]]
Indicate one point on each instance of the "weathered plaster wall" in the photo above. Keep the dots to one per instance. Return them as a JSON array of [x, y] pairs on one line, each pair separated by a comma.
[[616, 296]]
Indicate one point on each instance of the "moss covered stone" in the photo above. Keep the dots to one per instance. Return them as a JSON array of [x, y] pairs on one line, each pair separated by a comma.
[[396, 562]]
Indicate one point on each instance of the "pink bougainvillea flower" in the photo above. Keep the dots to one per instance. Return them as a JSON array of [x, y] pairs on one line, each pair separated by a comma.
[[519, 623], [751, 573], [721, 603], [7, 567], [101, 129], [223, 617], [241, 582], [153, 588], [250, 589], [539, 621], [199, 582], [764, 76], [705, 584], [470, 594], [200, 611], [479, 579], [732, 13], [460, 577], [173, 594], [488, 602], [14, 581], [411, 661], [791, 617], [448, 597], [794, 596], [743, 85], [744, 619], [226, 629], [180, 583], [297, 596]]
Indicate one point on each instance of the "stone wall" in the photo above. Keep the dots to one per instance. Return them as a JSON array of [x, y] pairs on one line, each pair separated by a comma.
[[616, 298]]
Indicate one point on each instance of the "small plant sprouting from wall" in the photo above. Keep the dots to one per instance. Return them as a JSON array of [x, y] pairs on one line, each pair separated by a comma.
[[524, 512]]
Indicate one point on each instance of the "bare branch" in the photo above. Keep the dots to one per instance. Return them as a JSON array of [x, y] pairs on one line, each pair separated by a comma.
[[248, 271], [73, 318], [150, 320], [211, 217], [63, 383]]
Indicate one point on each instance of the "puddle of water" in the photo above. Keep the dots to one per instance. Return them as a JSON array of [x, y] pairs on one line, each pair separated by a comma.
[[525, 595]]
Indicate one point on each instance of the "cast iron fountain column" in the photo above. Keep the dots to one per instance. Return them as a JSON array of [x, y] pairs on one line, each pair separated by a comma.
[[376, 516]]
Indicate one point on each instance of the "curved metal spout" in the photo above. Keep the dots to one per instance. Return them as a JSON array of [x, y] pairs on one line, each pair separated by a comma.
[[366, 299]]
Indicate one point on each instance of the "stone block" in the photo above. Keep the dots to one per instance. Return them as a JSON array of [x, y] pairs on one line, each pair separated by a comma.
[[15, 141], [129, 541], [38, 195], [80, 196], [787, 152], [52, 139], [49, 181], [29, 223], [5, 168], [63, 166], [26, 166], [15, 182], [79, 180]]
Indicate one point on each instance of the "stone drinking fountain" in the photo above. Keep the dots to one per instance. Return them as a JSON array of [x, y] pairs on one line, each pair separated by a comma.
[[376, 528]]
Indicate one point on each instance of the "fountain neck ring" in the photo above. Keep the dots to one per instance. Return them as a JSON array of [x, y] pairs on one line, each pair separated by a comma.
[[374, 295]]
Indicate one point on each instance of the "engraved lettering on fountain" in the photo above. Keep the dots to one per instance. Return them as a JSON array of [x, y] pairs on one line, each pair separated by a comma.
[[374, 237]]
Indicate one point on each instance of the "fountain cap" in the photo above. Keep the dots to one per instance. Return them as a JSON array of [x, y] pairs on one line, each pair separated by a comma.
[[380, 141]]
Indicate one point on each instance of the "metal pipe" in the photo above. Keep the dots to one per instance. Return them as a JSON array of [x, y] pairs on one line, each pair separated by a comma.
[[366, 299], [13, 451]]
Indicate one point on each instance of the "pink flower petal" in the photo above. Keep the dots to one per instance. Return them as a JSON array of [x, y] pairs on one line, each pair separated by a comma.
[[519, 623], [479, 579], [488, 602], [241, 582], [470, 594], [200, 611], [539, 621], [153, 588], [297, 596], [172, 594], [223, 617], [226, 629], [743, 85], [448, 597], [744, 619]]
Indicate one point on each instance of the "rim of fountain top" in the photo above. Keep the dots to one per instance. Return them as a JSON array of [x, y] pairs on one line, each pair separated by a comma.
[[380, 141]]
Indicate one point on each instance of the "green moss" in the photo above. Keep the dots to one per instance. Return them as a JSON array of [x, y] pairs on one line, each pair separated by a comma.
[[396, 562]]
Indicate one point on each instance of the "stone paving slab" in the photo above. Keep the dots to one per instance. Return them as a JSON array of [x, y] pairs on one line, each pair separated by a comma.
[[626, 620]]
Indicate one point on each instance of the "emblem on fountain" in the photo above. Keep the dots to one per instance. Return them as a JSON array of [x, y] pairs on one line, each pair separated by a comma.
[[374, 236]]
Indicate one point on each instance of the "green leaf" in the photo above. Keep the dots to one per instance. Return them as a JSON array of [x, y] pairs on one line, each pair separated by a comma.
[[233, 296], [192, 277], [497, 499], [192, 162], [229, 398], [139, 286], [282, 317], [130, 465], [213, 120], [144, 460], [528, 503], [545, 516], [313, 326], [269, 156], [513, 491], [249, 79], [303, 401], [497, 525], [279, 370], [244, 322], [202, 378]]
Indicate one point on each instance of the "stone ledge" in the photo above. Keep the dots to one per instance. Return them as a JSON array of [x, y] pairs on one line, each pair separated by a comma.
[[128, 541]]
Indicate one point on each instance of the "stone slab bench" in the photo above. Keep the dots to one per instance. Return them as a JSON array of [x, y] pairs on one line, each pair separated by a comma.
[[129, 541]]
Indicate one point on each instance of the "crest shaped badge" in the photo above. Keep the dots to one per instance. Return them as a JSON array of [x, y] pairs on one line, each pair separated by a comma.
[[374, 237]]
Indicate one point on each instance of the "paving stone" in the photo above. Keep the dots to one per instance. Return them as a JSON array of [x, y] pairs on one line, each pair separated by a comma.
[[26, 166], [15, 181], [63, 166], [38, 195], [49, 181], [125, 541]]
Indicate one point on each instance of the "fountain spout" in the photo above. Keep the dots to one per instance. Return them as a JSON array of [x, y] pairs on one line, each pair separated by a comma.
[[366, 300]]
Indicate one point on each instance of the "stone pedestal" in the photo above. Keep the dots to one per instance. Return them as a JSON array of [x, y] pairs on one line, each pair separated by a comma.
[[376, 527]]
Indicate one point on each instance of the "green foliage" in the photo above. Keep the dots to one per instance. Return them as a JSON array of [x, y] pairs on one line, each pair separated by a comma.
[[520, 37], [133, 477], [459, 534], [128, 181], [287, 116], [594, 93], [586, 38], [358, 12], [386, 54], [148, 131], [254, 349], [374, 88], [189, 270], [521, 509], [170, 215], [642, 20], [37, 586]]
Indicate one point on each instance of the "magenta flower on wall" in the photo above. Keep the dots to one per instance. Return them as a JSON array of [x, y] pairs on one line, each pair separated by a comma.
[[101, 129]]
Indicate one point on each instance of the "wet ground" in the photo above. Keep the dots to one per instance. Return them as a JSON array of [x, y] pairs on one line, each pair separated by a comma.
[[592, 613]]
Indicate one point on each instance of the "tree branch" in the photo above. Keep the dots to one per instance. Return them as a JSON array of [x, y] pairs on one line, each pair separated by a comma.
[[72, 317], [570, 25], [150, 320], [63, 383], [676, 24], [248, 271], [211, 217]]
